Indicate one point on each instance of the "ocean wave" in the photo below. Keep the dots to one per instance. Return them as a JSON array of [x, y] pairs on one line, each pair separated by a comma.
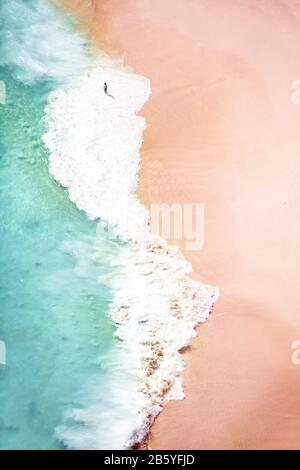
[[38, 43], [94, 143]]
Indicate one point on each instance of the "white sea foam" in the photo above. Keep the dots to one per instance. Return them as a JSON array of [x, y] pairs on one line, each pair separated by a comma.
[[37, 43], [94, 142]]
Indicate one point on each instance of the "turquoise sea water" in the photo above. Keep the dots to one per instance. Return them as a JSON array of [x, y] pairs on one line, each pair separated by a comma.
[[72, 378], [53, 294]]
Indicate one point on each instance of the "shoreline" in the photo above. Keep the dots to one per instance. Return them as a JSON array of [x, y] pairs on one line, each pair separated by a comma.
[[221, 130], [155, 322]]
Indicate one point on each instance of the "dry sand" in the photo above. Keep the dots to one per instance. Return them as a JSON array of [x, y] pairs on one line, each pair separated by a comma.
[[222, 131]]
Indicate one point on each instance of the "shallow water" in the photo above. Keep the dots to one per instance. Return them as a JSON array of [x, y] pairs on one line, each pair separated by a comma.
[[54, 270], [52, 304]]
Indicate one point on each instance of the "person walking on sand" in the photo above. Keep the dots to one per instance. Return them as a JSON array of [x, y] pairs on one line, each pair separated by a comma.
[[105, 88]]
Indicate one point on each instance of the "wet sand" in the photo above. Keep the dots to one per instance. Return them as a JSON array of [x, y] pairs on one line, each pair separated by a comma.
[[221, 130]]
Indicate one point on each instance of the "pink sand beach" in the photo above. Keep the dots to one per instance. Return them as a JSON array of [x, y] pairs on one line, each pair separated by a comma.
[[222, 130]]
